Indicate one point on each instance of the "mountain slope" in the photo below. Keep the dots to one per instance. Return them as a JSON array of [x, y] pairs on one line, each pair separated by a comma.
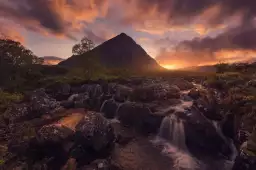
[[119, 52]]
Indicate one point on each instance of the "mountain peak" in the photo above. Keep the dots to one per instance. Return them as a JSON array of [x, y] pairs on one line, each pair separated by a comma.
[[119, 52]]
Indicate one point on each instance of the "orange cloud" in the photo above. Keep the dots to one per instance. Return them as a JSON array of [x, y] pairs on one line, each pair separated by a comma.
[[7, 31], [187, 58], [55, 17]]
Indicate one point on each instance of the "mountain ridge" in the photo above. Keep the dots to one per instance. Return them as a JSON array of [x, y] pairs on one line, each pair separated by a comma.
[[119, 52]]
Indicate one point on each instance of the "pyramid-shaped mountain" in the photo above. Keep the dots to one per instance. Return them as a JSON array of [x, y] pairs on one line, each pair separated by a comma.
[[119, 52]]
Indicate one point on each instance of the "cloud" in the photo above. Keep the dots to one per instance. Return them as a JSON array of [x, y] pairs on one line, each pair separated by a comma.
[[7, 31], [58, 17], [187, 58]]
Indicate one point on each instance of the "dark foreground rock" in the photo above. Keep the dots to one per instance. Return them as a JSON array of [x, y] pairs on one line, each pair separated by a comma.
[[244, 162], [139, 117]]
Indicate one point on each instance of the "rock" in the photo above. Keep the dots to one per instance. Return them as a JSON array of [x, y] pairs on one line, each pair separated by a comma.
[[202, 136], [94, 131], [67, 104], [228, 126], [183, 84], [63, 129], [124, 134], [194, 94], [41, 103], [18, 112], [244, 162], [209, 106], [81, 101], [139, 117], [153, 92], [60, 91], [55, 133], [122, 93], [251, 83], [109, 108]]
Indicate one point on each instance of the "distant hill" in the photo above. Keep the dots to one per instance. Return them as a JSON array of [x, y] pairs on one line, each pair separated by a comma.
[[119, 52], [206, 68], [52, 60]]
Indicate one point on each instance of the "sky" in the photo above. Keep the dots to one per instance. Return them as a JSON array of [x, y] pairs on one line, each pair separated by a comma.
[[177, 33]]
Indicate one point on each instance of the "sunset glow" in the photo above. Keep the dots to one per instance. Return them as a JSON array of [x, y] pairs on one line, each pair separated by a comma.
[[170, 67], [174, 32]]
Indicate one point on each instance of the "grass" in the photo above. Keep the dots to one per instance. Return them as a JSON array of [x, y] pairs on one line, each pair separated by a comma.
[[6, 99]]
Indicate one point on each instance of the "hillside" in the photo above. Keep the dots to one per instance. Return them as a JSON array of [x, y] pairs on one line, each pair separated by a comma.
[[119, 52]]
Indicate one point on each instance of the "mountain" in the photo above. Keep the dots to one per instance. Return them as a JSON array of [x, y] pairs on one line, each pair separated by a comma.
[[52, 60], [119, 52]]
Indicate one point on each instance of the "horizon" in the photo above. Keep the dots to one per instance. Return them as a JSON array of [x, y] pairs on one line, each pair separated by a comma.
[[176, 34]]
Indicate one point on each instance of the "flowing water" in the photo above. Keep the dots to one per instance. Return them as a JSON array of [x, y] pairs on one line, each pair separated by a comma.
[[171, 144], [171, 138]]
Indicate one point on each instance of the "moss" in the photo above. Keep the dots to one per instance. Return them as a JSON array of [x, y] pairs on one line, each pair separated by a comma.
[[7, 98], [2, 162]]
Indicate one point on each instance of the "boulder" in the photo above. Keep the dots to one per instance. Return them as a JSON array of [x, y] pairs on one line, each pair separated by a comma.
[[81, 100], [55, 133], [251, 83], [159, 91], [194, 94], [60, 91], [18, 112], [109, 108], [122, 93], [203, 136], [208, 104], [244, 162], [139, 117], [94, 131], [183, 84], [41, 103]]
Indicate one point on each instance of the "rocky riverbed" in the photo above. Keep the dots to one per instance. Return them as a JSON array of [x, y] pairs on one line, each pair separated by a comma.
[[130, 124]]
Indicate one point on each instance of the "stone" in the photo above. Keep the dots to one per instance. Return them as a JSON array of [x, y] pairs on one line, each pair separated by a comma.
[[109, 108], [159, 91], [194, 94], [122, 93], [251, 83], [94, 131], [41, 103], [18, 112], [183, 84], [139, 117], [244, 162], [202, 136]]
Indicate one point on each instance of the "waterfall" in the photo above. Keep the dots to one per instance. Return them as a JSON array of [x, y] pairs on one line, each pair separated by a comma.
[[171, 137]]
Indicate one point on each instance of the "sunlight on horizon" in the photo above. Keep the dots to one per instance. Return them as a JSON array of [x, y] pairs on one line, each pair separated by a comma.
[[170, 67]]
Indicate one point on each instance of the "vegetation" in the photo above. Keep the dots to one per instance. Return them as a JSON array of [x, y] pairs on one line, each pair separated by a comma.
[[82, 47]]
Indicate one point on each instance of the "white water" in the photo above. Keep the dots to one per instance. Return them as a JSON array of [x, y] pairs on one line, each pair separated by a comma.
[[172, 139]]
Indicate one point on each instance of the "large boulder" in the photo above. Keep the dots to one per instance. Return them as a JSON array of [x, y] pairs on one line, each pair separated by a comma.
[[183, 84], [158, 91], [94, 131], [122, 93], [245, 162], [209, 105], [109, 108], [139, 117], [203, 136], [18, 112], [60, 91], [41, 103]]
